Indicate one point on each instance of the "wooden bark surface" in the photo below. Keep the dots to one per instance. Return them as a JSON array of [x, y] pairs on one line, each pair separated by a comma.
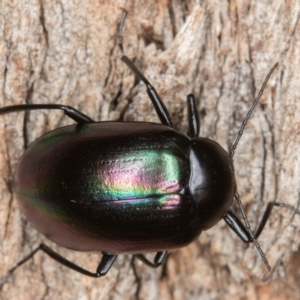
[[66, 52]]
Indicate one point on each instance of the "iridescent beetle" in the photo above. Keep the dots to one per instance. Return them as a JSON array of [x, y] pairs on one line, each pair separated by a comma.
[[127, 187]]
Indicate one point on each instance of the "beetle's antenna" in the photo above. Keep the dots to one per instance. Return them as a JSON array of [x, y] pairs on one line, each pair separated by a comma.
[[292, 208], [251, 111], [262, 254], [240, 133]]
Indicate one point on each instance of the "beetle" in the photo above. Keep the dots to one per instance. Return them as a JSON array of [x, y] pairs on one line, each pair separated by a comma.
[[128, 187]]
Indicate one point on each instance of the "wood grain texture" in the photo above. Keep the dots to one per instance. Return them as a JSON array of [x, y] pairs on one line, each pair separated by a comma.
[[66, 52]]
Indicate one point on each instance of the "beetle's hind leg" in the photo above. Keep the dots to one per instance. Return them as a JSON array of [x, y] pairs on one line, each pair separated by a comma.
[[102, 269], [159, 106], [158, 260], [69, 111]]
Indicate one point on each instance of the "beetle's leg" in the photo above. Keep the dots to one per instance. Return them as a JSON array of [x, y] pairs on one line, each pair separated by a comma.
[[194, 124], [237, 226], [103, 267], [158, 260], [159, 106], [267, 214], [71, 112]]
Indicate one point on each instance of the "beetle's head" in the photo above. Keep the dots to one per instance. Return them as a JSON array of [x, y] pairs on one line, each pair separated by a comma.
[[212, 183]]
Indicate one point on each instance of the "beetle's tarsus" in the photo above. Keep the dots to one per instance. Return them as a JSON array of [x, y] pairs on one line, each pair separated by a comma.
[[158, 260], [69, 111], [158, 104], [120, 29], [20, 263]]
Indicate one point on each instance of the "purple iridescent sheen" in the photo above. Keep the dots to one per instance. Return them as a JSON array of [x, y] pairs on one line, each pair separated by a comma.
[[123, 187], [109, 186]]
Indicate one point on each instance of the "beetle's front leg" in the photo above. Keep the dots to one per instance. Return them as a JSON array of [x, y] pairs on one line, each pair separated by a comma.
[[158, 260]]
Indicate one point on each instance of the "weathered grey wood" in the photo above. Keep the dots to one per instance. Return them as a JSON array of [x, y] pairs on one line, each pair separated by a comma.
[[66, 52]]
